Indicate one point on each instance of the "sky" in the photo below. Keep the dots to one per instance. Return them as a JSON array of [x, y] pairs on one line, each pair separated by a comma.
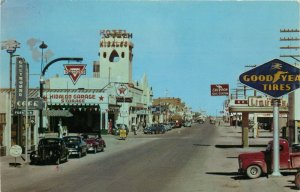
[[182, 46]]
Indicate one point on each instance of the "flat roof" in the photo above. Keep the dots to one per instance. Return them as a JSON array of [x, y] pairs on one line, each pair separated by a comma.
[[248, 109]]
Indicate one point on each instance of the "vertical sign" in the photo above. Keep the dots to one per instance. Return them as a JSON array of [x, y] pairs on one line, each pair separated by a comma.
[[21, 79]]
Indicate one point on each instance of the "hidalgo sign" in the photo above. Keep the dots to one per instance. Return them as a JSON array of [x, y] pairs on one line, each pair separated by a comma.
[[275, 78]]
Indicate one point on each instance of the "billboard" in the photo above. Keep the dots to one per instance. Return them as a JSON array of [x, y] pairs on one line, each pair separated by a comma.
[[219, 89]]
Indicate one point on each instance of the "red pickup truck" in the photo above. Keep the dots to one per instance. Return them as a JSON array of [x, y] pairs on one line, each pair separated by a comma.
[[257, 163]]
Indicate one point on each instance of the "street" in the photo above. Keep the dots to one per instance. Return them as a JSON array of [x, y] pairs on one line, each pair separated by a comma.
[[184, 159]]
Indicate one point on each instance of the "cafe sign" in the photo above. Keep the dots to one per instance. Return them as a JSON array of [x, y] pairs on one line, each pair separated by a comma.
[[274, 78]]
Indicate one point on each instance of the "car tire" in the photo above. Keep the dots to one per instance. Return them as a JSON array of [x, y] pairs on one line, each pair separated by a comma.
[[254, 171], [297, 180]]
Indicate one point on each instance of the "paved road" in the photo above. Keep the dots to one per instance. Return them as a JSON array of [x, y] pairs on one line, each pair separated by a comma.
[[183, 160]]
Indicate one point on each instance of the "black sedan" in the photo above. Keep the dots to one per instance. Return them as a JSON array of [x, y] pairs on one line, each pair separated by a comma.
[[76, 145], [50, 150], [155, 129]]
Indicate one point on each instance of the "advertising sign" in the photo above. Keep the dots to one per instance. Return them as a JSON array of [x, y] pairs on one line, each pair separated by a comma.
[[21, 79], [122, 90], [70, 98], [219, 89], [74, 71], [275, 78]]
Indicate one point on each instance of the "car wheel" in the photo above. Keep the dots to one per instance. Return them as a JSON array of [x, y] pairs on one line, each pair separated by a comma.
[[254, 171], [297, 180]]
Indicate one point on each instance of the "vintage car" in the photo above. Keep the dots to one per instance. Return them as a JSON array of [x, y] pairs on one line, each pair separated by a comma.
[[155, 129], [95, 144], [76, 145], [50, 150], [255, 164]]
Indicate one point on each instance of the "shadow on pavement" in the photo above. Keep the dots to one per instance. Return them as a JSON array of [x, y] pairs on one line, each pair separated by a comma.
[[201, 145], [238, 146], [292, 186], [232, 175]]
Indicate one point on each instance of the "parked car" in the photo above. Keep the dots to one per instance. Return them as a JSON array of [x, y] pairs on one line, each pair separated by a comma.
[[155, 129], [117, 127], [50, 150], [168, 126], [257, 163], [76, 145], [187, 124], [95, 144], [177, 124]]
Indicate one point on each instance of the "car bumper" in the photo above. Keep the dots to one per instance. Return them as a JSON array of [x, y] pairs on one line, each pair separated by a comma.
[[91, 148], [73, 152]]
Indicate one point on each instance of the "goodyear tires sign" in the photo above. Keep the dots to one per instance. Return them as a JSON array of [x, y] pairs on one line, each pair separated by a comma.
[[275, 78]]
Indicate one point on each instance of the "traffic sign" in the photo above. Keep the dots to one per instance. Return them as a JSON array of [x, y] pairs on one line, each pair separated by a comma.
[[275, 78]]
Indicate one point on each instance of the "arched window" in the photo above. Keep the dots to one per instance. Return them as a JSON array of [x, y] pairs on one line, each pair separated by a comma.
[[114, 56]]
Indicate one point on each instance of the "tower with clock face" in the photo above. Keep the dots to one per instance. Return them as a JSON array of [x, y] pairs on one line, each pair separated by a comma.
[[116, 56]]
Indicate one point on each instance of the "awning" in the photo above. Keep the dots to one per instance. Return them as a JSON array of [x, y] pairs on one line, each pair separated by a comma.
[[57, 113]]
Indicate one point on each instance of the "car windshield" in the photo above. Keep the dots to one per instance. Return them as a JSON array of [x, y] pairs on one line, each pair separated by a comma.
[[72, 139], [49, 141]]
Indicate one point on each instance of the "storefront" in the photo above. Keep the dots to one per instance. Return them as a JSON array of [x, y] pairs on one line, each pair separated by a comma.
[[79, 111]]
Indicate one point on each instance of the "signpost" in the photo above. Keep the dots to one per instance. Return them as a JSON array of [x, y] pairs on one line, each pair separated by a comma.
[[274, 78]]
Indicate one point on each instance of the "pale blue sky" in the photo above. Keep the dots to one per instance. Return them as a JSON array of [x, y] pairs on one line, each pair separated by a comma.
[[182, 46]]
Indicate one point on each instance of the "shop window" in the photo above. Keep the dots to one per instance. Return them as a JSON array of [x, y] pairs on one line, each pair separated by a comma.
[[123, 55], [104, 55]]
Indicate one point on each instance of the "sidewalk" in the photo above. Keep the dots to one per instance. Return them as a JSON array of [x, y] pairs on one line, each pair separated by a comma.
[[230, 143]]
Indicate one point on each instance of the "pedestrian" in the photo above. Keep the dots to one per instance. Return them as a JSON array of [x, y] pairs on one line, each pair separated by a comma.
[[134, 128]]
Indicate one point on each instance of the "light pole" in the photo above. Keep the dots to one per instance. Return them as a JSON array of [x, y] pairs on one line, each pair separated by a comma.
[[77, 59], [43, 46]]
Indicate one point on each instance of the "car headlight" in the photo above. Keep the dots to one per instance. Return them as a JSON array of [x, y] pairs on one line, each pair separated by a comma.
[[76, 147]]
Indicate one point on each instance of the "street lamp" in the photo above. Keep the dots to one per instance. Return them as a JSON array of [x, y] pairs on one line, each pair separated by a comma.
[[42, 81], [42, 46]]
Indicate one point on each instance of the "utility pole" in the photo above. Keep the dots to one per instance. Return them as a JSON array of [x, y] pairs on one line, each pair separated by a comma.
[[293, 52]]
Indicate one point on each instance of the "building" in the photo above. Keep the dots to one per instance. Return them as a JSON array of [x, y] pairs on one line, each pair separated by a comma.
[[169, 109], [78, 104]]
